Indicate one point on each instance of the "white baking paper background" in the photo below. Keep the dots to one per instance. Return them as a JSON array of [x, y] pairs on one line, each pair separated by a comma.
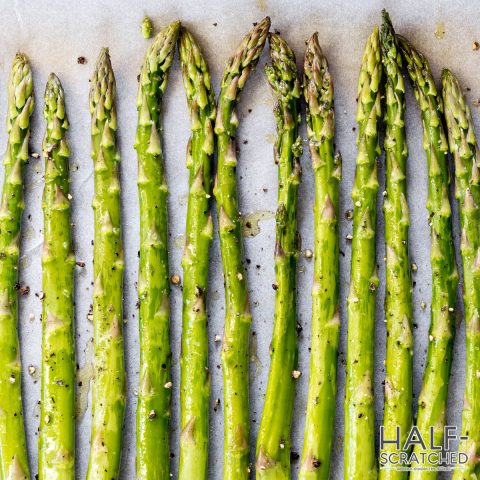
[[55, 33]]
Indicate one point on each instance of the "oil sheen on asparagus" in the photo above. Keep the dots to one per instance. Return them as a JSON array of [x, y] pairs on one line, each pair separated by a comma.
[[463, 146], [194, 375], [13, 451], [108, 392], [433, 396], [273, 443], [154, 390], [56, 440], [322, 388], [237, 309], [398, 294], [360, 461]]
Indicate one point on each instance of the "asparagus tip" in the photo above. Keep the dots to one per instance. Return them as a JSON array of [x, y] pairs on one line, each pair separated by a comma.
[[261, 28], [313, 39], [53, 80], [166, 36], [387, 26], [20, 62], [313, 51], [21, 56], [103, 57], [54, 97], [446, 74]]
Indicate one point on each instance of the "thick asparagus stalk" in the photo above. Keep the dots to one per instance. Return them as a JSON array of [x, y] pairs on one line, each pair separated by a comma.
[[398, 295], [194, 376], [56, 442], [108, 393], [433, 396], [273, 443], [13, 452], [154, 392], [463, 145], [237, 310], [359, 452], [318, 92]]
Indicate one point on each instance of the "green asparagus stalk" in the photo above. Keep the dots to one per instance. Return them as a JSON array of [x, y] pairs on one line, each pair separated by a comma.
[[273, 443], [398, 296], [463, 146], [237, 310], [13, 452], [154, 391], [318, 92], [433, 395], [194, 376], [108, 393], [56, 443], [359, 452]]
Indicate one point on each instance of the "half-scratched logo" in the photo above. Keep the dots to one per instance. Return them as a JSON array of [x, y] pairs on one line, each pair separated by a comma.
[[421, 452]]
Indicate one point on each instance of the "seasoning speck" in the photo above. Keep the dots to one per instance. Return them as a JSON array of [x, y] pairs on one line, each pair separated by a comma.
[[24, 290], [308, 253], [81, 60], [296, 374], [475, 46], [175, 279]]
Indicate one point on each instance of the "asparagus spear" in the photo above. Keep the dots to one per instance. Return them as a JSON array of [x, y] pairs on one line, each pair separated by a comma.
[[13, 452], [194, 376], [108, 393], [359, 452], [318, 92], [154, 392], [56, 445], [398, 295], [463, 145], [237, 310], [433, 396], [273, 443]]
